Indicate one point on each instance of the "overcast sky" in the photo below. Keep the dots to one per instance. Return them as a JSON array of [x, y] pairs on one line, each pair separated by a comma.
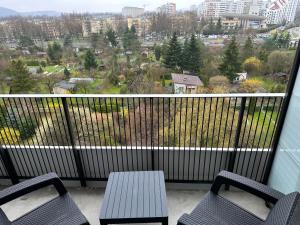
[[89, 5]]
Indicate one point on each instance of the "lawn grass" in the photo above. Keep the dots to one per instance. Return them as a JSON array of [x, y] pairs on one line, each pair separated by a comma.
[[54, 69]]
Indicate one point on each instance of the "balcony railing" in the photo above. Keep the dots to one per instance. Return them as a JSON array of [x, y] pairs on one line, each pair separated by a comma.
[[85, 137]]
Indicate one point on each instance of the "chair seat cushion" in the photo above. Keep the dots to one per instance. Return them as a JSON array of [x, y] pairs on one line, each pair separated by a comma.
[[219, 211], [59, 211]]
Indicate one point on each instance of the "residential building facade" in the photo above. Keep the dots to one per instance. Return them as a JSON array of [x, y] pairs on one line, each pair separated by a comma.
[[169, 8], [282, 11], [185, 84], [132, 11]]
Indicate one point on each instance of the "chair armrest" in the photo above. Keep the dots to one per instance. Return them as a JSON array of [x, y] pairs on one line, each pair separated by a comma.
[[246, 184], [31, 185], [187, 219]]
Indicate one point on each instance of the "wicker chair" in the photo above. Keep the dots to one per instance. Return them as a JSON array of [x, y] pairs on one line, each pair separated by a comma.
[[60, 211], [216, 210]]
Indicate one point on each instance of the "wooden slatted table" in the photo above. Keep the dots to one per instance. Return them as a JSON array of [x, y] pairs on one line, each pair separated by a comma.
[[135, 197]]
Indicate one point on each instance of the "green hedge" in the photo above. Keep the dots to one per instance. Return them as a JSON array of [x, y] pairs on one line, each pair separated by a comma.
[[108, 108]]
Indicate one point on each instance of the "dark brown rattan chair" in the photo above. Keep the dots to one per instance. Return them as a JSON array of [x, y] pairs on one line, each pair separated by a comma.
[[59, 211], [216, 210]]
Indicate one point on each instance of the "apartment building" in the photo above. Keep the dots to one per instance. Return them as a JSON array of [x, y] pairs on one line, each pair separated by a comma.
[[169, 8], [281, 11], [216, 8], [95, 26], [132, 12]]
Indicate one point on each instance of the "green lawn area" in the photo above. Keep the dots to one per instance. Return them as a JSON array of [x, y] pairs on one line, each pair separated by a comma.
[[54, 69], [112, 90], [168, 83], [267, 83], [263, 124]]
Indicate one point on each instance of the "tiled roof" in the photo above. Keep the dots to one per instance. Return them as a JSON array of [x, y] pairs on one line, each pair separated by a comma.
[[186, 79]]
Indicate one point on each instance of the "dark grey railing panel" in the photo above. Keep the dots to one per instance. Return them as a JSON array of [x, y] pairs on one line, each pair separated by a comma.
[[190, 137]]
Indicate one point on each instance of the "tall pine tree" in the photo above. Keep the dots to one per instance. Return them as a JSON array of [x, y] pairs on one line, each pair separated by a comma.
[[194, 59], [219, 29], [248, 50], [90, 61], [20, 79], [173, 56], [185, 58], [231, 64]]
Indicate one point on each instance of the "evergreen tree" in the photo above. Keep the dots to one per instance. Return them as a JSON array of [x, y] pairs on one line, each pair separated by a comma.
[[20, 80], [219, 29], [173, 55], [90, 61], [112, 37], [130, 40], [133, 29], [157, 52], [115, 70], [194, 58], [248, 50], [211, 29], [68, 41], [231, 63], [55, 53], [94, 40], [185, 59], [67, 73], [26, 42]]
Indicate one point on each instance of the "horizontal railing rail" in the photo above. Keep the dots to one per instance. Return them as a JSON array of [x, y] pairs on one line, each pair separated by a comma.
[[85, 137]]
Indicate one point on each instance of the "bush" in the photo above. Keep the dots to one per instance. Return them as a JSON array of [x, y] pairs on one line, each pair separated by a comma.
[[43, 63], [219, 81], [108, 108], [3, 113], [33, 63], [26, 126], [27, 130], [252, 65], [9, 135]]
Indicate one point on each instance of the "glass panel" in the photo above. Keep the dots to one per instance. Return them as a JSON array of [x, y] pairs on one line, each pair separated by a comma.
[[285, 174]]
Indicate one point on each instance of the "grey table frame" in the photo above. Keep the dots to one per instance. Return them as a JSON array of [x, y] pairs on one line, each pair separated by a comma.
[[135, 197]]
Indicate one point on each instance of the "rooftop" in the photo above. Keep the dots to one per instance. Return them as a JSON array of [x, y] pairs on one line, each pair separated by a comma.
[[65, 85], [186, 79]]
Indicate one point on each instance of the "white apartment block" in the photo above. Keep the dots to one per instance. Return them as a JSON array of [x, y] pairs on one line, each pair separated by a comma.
[[132, 12], [216, 8], [169, 8], [281, 10]]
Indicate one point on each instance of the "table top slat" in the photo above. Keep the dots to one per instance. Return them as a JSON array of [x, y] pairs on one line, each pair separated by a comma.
[[135, 195]]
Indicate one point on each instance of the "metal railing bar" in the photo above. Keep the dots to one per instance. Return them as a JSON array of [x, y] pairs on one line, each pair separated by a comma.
[[233, 95]]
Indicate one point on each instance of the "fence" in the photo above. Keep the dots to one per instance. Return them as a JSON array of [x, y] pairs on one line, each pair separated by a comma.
[[85, 137]]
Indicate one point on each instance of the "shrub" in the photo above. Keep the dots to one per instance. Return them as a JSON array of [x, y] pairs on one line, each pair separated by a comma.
[[108, 108], [219, 81], [3, 113], [33, 63], [9, 135], [251, 86], [26, 126], [252, 65]]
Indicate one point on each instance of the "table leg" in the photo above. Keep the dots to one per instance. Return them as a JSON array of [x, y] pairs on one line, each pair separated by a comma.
[[165, 221], [103, 222]]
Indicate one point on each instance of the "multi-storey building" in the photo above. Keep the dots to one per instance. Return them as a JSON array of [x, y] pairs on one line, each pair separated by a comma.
[[282, 11], [132, 12], [95, 26], [142, 25], [169, 8], [216, 8]]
